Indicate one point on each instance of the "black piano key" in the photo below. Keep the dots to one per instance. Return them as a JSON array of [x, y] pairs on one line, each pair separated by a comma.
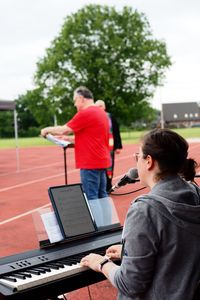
[[59, 264], [70, 262], [45, 268], [20, 276], [53, 266], [66, 262], [32, 271], [73, 259], [9, 278], [77, 257], [25, 274], [40, 270]]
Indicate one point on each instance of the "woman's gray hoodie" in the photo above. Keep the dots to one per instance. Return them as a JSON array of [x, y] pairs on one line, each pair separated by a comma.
[[161, 244]]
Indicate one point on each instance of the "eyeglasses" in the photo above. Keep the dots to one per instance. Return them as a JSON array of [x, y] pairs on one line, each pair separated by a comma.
[[136, 155]]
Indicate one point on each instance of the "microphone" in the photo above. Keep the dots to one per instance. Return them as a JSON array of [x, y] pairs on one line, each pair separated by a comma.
[[130, 177]]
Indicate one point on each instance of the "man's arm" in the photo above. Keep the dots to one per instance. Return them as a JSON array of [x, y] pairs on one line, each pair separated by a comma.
[[56, 130]]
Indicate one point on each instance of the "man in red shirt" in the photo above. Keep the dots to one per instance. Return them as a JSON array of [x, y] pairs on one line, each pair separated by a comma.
[[91, 129]]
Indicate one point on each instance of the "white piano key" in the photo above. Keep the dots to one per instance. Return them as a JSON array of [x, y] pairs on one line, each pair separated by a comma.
[[35, 280]]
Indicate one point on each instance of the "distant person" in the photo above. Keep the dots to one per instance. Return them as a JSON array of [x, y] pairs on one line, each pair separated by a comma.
[[115, 142], [91, 129], [161, 236]]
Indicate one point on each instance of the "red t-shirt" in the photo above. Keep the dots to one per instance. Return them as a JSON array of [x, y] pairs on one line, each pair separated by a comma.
[[91, 129]]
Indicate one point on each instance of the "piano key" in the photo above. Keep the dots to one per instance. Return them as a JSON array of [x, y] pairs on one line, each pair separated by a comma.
[[45, 268], [36, 280], [70, 261], [59, 264], [10, 278], [25, 274], [40, 270], [17, 275], [32, 271], [52, 266]]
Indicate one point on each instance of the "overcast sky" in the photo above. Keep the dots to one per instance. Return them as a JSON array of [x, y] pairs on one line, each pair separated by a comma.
[[28, 26]]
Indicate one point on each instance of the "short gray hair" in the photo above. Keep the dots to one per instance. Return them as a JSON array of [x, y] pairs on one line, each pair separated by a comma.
[[101, 104], [85, 92]]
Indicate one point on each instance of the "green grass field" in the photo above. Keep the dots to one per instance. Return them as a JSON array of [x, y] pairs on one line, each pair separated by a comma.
[[129, 137], [134, 136]]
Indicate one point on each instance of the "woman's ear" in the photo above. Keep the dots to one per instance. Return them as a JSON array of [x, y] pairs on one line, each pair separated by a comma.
[[150, 162]]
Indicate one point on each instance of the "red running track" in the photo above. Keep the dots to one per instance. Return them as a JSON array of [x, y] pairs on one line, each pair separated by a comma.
[[23, 192]]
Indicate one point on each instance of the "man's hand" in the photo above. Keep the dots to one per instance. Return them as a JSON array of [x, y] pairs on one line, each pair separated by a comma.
[[56, 130], [44, 131]]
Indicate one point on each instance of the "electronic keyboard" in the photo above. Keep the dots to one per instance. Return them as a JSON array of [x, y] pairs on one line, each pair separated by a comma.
[[46, 273]]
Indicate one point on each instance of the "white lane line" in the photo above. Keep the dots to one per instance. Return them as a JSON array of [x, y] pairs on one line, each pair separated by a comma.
[[38, 180], [49, 177], [34, 210], [29, 169], [33, 182], [28, 183], [24, 214]]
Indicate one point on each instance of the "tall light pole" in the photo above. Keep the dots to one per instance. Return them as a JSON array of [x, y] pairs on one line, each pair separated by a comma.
[[162, 122]]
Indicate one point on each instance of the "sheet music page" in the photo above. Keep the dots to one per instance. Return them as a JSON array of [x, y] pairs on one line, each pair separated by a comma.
[[57, 141], [51, 226]]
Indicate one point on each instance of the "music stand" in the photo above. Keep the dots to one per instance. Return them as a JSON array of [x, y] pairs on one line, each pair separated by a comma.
[[65, 163], [64, 145], [65, 159]]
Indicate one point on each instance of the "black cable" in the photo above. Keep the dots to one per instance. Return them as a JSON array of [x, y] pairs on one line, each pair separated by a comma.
[[129, 192]]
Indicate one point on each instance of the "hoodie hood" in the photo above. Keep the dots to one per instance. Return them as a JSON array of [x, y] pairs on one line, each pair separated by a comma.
[[177, 200]]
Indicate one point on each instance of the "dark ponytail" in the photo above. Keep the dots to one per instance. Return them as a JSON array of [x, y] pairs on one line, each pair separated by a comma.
[[189, 169]]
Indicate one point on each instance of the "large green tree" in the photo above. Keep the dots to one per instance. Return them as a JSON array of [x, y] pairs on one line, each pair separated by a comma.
[[27, 121], [111, 52], [6, 124]]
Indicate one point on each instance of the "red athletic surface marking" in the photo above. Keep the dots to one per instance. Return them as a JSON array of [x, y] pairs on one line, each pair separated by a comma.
[[26, 190]]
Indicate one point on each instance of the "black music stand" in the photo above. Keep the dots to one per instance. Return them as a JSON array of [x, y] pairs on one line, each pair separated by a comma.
[[65, 163], [65, 160], [64, 145]]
